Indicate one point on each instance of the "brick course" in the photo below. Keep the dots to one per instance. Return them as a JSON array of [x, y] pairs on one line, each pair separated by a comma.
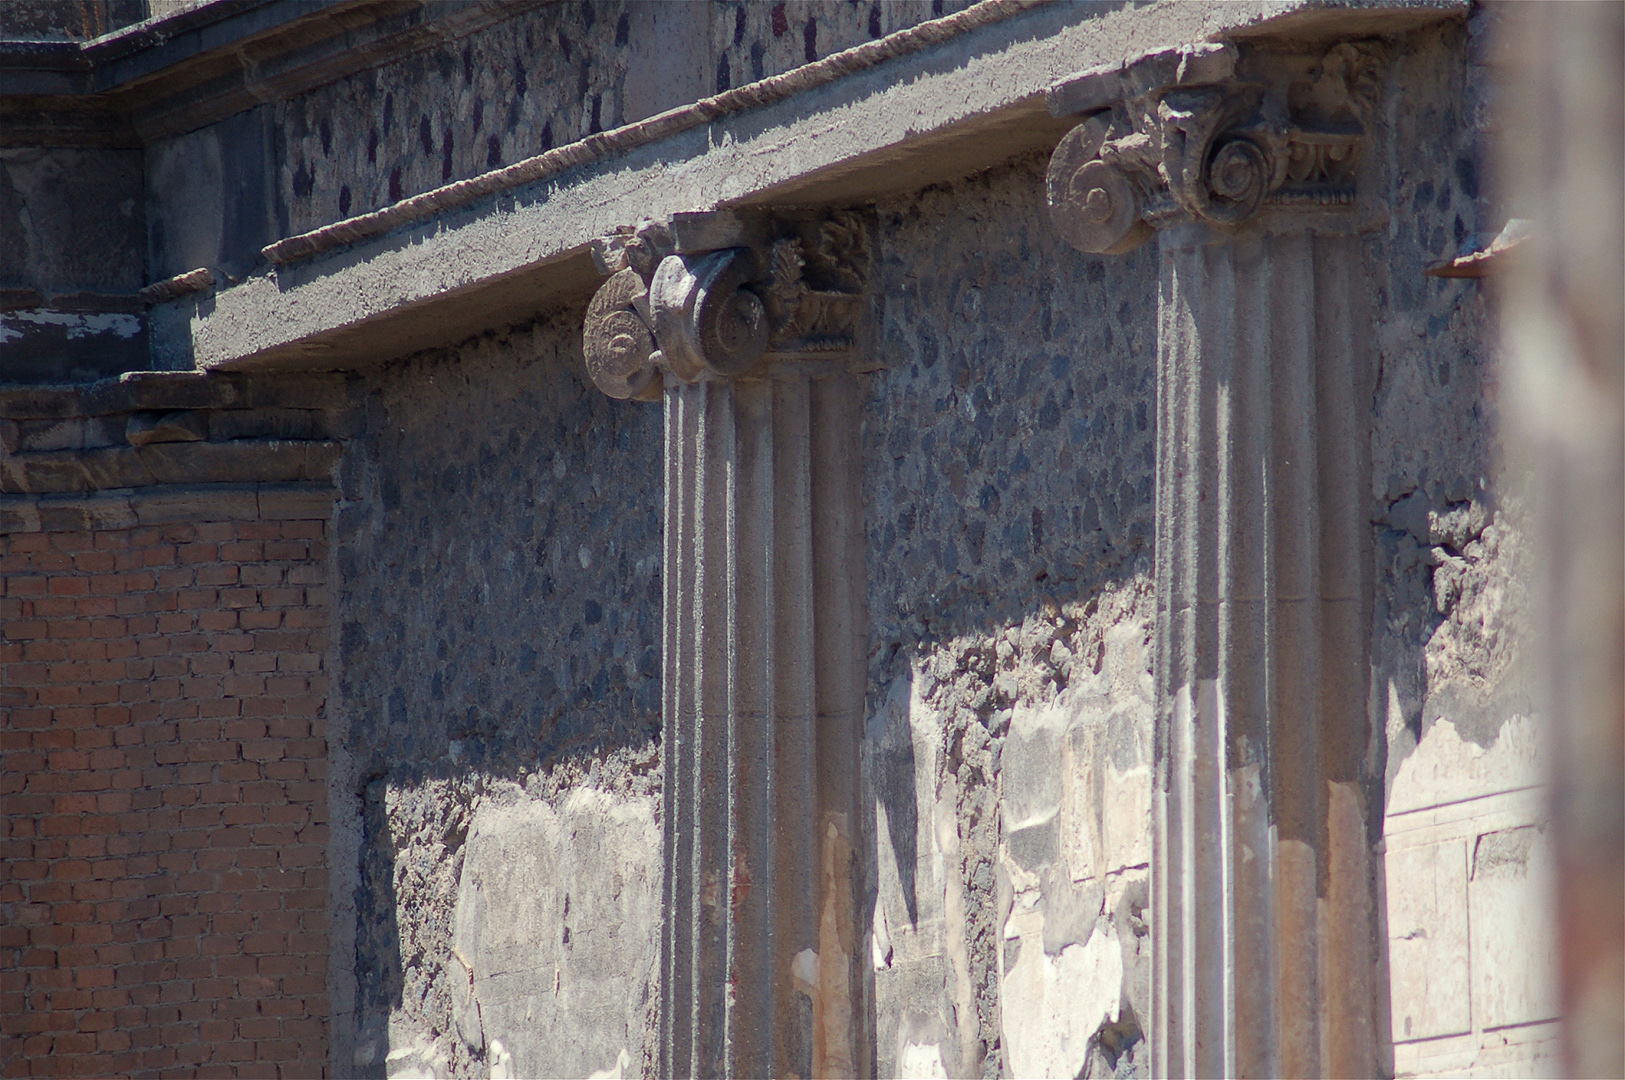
[[163, 768]]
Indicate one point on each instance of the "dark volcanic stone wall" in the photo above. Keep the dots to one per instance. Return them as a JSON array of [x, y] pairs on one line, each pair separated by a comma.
[[547, 77], [1010, 457], [497, 627]]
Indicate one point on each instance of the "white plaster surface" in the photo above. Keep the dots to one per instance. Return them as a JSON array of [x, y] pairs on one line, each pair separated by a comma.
[[1052, 1004], [1427, 940], [1510, 910], [555, 928], [1446, 768], [1471, 944]]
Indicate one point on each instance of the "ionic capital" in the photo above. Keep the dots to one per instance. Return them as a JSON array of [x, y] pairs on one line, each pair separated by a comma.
[[1215, 134], [721, 294]]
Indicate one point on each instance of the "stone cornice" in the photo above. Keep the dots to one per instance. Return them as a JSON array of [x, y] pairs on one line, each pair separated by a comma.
[[717, 295], [438, 274], [1214, 134], [172, 74]]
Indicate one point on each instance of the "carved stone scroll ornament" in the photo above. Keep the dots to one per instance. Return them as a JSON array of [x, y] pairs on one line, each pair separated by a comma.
[[719, 294], [1214, 134]]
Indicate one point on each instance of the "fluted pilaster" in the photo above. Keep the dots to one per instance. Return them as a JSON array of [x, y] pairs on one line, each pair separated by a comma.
[[1243, 162], [745, 326], [1261, 952]]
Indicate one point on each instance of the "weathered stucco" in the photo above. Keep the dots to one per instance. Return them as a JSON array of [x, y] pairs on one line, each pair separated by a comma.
[[1008, 457], [497, 634]]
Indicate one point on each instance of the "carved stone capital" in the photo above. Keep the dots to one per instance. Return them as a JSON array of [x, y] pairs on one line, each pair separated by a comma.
[[721, 294], [1215, 134]]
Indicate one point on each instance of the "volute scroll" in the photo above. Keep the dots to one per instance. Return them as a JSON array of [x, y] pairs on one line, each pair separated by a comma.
[[1215, 134]]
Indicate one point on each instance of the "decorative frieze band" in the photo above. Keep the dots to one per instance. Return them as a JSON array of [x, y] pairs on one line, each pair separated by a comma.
[[718, 294], [1213, 134]]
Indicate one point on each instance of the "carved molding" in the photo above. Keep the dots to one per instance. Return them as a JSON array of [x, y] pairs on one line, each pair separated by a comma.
[[720, 294], [1214, 134]]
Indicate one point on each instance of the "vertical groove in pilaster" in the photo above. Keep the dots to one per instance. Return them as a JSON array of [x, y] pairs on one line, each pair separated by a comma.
[[716, 650], [795, 824], [1261, 658], [677, 668]]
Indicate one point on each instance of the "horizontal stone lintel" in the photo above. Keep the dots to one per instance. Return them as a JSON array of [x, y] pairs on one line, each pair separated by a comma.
[[944, 111], [157, 464], [170, 391], [128, 508]]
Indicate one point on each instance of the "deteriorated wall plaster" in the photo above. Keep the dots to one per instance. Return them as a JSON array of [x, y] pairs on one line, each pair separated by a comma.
[[497, 627], [1008, 468]]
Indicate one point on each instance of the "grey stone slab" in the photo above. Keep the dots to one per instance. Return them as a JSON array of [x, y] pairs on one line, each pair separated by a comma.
[[288, 502], [223, 502], [554, 927]]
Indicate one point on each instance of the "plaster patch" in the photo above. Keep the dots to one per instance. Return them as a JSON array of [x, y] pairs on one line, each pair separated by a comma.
[[1445, 768], [554, 920], [1052, 1004], [921, 1061]]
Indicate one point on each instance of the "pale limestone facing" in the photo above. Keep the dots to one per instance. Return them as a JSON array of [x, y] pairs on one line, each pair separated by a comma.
[[1470, 925], [553, 931]]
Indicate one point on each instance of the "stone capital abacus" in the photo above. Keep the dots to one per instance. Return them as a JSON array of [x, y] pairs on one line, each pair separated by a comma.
[[720, 295], [1217, 134]]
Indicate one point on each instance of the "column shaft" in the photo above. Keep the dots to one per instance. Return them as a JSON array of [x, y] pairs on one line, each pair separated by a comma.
[[1261, 886], [763, 675]]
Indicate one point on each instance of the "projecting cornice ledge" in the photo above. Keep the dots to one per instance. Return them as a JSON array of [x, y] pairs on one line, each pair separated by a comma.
[[721, 295], [1218, 134], [942, 100]]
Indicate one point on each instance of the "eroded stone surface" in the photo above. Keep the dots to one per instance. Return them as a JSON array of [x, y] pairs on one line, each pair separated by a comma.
[[554, 926]]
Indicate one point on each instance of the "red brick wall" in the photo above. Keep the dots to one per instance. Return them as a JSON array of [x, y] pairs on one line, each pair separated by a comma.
[[163, 899]]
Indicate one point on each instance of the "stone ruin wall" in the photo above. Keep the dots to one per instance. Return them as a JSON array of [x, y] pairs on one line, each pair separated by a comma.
[[497, 616], [1008, 470], [495, 569]]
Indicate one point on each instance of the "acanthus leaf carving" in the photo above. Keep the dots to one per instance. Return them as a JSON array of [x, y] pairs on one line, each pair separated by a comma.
[[1215, 134], [719, 295]]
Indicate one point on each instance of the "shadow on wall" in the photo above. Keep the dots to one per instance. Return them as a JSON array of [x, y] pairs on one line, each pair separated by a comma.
[[1009, 458], [499, 609]]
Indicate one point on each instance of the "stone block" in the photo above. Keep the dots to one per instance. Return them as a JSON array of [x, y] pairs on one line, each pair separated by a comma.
[[73, 470], [223, 502], [51, 434], [1513, 918], [1427, 941], [296, 502], [224, 463], [555, 925]]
